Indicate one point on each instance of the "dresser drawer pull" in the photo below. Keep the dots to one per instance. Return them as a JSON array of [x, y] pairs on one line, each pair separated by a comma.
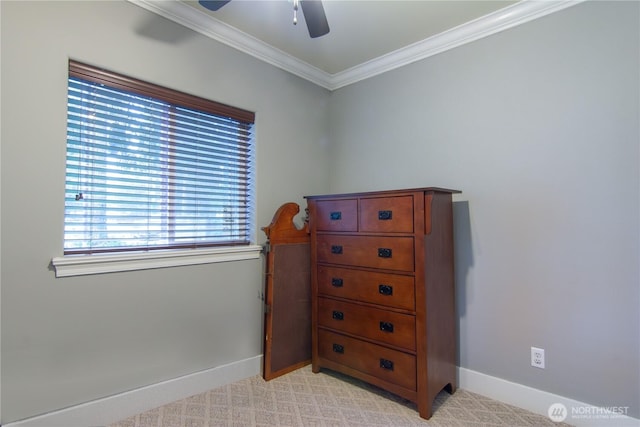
[[386, 327], [337, 282], [385, 215], [384, 252], [386, 364], [385, 289], [337, 315], [335, 216], [336, 249], [337, 348]]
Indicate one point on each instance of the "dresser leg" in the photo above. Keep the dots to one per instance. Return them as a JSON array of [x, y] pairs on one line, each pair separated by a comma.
[[425, 410]]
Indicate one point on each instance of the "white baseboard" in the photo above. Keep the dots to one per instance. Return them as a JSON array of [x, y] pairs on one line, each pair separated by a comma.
[[538, 401], [115, 408], [124, 405]]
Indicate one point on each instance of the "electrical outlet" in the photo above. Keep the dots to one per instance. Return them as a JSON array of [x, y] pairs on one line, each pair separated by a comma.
[[537, 357]]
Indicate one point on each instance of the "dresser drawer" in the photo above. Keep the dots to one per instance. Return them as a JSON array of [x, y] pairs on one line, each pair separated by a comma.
[[392, 253], [337, 215], [387, 214], [390, 290], [385, 326], [389, 365]]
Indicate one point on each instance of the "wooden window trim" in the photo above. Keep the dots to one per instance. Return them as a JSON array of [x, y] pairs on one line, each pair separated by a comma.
[[110, 78]]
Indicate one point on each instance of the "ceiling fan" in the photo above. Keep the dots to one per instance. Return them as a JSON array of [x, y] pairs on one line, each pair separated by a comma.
[[313, 14]]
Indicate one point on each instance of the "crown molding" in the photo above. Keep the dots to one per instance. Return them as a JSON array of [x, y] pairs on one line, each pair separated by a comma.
[[503, 19], [206, 25]]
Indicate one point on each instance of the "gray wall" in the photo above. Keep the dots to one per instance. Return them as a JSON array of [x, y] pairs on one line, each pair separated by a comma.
[[539, 127], [67, 341]]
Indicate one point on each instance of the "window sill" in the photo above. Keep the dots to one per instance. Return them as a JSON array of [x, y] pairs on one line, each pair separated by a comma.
[[79, 265]]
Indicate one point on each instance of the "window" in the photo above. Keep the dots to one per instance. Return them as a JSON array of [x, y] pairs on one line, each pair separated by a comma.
[[151, 168]]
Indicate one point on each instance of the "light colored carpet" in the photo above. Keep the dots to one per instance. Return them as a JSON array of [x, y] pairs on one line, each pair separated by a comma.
[[302, 398]]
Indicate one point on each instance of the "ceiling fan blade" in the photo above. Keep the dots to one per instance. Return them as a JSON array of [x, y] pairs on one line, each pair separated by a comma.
[[315, 17], [213, 4]]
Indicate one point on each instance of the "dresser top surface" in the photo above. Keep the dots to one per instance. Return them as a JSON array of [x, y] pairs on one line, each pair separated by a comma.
[[385, 193]]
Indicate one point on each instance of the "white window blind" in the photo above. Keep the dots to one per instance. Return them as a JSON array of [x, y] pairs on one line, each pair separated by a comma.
[[151, 168]]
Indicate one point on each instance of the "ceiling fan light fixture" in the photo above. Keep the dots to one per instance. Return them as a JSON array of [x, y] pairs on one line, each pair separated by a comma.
[[312, 9]]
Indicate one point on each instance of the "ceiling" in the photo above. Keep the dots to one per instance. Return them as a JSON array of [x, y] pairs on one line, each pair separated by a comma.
[[367, 37], [360, 30]]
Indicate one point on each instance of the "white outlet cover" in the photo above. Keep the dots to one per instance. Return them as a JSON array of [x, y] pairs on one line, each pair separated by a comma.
[[537, 357]]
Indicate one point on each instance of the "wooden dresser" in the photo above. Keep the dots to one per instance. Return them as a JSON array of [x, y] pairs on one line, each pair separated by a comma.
[[383, 300]]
